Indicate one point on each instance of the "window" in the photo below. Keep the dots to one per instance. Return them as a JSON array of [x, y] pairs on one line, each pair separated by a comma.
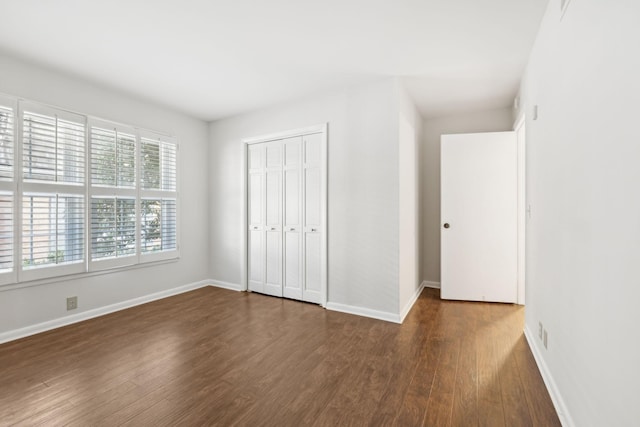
[[81, 194], [158, 226], [53, 174], [114, 192]]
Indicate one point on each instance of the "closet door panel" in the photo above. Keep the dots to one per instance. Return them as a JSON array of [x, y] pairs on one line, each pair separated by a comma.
[[313, 272], [312, 197], [292, 218], [273, 282], [313, 216], [292, 205], [255, 198], [273, 219], [293, 249], [256, 261], [273, 199]]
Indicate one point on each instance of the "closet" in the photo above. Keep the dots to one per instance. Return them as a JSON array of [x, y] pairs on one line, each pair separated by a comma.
[[286, 202]]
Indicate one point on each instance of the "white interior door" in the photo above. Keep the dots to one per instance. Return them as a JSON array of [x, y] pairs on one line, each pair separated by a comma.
[[255, 217], [273, 219], [292, 218], [313, 232], [479, 217]]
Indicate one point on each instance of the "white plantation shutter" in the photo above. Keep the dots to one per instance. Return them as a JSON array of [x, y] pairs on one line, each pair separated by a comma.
[[159, 164], [53, 199], [6, 232], [7, 146], [60, 170], [158, 206], [52, 229], [158, 225], [113, 195], [8, 187], [113, 156], [53, 149], [113, 227]]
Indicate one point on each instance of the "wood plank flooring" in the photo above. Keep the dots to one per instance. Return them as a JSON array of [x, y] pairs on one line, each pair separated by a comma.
[[218, 357]]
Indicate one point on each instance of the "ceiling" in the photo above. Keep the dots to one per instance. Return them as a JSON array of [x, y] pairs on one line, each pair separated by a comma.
[[213, 59]]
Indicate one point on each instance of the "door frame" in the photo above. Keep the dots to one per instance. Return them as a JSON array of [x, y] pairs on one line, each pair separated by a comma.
[[520, 123], [322, 129]]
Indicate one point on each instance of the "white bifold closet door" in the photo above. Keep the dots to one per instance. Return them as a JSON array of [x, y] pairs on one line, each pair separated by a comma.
[[285, 237]]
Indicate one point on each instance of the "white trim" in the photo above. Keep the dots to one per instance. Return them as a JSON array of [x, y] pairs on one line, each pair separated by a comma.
[[429, 284], [227, 285], [97, 312], [245, 218], [411, 302], [521, 208], [66, 278], [552, 388], [361, 311], [286, 134]]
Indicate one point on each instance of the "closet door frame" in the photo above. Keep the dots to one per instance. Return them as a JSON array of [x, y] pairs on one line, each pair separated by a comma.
[[321, 129]]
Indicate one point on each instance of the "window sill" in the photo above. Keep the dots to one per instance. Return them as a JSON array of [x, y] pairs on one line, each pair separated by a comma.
[[84, 275]]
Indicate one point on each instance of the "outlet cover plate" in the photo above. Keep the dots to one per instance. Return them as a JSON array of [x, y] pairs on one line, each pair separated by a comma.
[[72, 303]]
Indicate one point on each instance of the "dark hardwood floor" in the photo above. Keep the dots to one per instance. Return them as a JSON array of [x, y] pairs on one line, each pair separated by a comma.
[[218, 357]]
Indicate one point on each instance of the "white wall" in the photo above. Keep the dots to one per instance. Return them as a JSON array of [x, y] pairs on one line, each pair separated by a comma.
[[409, 136], [362, 190], [429, 164], [583, 238], [31, 305]]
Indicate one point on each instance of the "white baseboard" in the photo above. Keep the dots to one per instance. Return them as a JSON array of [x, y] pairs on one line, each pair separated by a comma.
[[361, 311], [226, 285], [412, 301], [96, 312], [552, 388], [429, 284]]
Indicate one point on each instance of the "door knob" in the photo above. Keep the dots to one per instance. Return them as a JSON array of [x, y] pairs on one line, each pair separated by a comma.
[[446, 225], [273, 229]]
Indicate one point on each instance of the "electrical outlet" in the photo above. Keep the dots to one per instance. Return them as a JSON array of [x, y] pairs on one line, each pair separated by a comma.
[[540, 330], [544, 340], [72, 303]]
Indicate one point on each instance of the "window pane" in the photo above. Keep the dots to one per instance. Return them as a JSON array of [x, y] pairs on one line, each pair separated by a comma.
[[52, 229], [70, 152], [103, 157], [169, 158], [53, 149], [6, 232], [158, 223], [39, 147], [113, 156], [150, 164], [126, 176], [113, 227], [168, 224], [150, 225], [70, 240], [6, 143]]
